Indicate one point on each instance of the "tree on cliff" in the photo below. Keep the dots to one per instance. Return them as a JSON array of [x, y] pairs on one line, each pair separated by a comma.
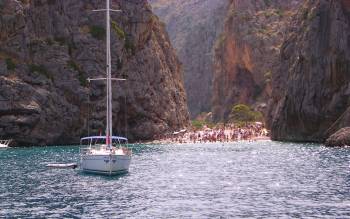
[[243, 113]]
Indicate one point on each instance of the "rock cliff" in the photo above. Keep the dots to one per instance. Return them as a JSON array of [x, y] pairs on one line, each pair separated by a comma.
[[247, 51], [193, 26], [311, 89], [340, 138], [48, 48]]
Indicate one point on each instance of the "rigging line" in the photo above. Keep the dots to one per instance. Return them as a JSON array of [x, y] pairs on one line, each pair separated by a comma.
[[126, 110], [88, 123]]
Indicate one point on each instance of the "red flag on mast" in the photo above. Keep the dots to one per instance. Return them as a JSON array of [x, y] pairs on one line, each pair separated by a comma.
[[107, 140]]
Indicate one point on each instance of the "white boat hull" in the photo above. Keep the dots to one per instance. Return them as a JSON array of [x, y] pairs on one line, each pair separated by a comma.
[[105, 164]]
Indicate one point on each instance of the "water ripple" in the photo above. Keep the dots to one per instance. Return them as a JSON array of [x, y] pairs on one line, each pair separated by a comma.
[[244, 179]]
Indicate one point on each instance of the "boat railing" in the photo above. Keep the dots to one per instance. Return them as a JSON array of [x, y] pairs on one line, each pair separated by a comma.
[[86, 149], [5, 142]]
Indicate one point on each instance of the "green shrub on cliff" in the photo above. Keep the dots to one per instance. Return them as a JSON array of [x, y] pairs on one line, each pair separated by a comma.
[[120, 33], [10, 64], [49, 41], [97, 32], [40, 69], [60, 40], [199, 124], [243, 113], [129, 45], [73, 65], [82, 79], [119, 64], [81, 74]]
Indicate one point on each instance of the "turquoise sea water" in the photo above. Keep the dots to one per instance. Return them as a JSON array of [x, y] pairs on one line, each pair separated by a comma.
[[244, 179]]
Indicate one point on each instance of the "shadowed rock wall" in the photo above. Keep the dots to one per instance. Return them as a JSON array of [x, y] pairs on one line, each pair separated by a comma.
[[47, 50], [311, 90]]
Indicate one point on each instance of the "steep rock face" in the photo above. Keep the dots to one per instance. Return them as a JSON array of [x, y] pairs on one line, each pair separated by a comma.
[[311, 90], [193, 26], [47, 50], [246, 53]]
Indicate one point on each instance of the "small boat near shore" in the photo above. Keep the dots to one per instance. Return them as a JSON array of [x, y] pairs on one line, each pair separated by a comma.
[[5, 143], [62, 165], [100, 158]]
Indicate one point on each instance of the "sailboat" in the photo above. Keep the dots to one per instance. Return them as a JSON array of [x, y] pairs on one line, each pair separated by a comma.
[[5, 143], [107, 154]]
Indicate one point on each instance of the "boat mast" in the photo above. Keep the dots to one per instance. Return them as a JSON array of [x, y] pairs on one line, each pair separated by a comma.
[[109, 130], [108, 77]]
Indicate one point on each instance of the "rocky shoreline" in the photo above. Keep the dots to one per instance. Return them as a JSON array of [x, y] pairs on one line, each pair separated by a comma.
[[339, 139]]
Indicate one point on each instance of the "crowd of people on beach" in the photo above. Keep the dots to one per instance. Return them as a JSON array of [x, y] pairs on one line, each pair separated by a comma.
[[227, 133]]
